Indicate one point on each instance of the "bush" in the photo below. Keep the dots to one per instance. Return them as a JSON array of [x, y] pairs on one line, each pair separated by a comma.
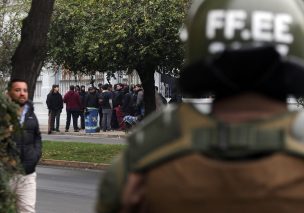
[[8, 155]]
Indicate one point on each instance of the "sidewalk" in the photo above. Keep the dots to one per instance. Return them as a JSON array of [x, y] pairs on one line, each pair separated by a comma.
[[112, 134]]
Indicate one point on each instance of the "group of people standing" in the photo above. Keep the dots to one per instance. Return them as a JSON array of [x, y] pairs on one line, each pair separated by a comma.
[[112, 103]]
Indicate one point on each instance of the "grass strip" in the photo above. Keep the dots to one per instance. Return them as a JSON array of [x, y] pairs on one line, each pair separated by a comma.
[[83, 152]]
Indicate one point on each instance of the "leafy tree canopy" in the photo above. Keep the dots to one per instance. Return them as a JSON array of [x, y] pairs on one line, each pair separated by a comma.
[[111, 35], [119, 35], [11, 15]]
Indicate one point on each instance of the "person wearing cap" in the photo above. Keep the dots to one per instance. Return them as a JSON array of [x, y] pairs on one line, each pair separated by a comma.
[[247, 154]]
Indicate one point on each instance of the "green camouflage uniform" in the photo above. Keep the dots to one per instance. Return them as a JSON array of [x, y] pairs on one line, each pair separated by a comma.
[[182, 130]]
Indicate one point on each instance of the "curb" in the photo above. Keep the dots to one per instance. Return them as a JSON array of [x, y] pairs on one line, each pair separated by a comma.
[[113, 135], [74, 164]]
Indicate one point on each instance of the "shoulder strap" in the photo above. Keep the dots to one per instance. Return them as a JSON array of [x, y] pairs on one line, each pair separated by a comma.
[[163, 136], [182, 130]]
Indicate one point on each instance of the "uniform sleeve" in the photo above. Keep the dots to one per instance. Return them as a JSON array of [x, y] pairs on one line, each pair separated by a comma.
[[110, 189]]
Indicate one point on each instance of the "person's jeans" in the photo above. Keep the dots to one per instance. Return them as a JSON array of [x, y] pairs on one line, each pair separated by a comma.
[[106, 119], [82, 122], [55, 116], [100, 117], [120, 116], [24, 187], [74, 114]]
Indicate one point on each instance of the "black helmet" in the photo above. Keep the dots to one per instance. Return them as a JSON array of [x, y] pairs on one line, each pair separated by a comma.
[[234, 46]]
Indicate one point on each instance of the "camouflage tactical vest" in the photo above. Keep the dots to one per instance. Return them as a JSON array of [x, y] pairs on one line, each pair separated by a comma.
[[180, 131]]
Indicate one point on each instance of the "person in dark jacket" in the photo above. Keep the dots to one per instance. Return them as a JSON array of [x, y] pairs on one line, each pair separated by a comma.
[[99, 93], [140, 99], [91, 98], [91, 111], [54, 103], [28, 143], [73, 107], [117, 118], [82, 95], [107, 106], [176, 97], [129, 98]]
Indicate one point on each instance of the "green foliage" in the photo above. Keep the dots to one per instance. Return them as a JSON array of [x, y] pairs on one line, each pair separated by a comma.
[[8, 154], [11, 15], [84, 152], [111, 35]]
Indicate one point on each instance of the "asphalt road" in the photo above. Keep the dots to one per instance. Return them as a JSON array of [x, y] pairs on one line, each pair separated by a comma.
[[63, 190], [86, 139]]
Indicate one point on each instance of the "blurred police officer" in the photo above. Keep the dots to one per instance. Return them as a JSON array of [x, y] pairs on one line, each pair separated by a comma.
[[247, 154]]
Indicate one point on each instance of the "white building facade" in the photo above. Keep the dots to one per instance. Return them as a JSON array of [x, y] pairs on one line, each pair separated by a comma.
[[52, 75]]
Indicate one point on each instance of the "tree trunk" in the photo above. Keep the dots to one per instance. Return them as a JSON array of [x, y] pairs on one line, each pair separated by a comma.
[[146, 76], [31, 51]]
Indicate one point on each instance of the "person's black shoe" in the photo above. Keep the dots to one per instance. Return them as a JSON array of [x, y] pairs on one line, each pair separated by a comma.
[[49, 132], [66, 130], [57, 130], [76, 130]]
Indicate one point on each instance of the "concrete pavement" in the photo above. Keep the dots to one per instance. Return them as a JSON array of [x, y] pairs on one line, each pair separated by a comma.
[[61, 190], [44, 130]]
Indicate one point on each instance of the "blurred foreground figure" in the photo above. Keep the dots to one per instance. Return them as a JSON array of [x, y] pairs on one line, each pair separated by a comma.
[[9, 159], [247, 155]]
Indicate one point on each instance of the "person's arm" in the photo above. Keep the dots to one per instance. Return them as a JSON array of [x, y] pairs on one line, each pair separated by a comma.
[[61, 102], [111, 102], [85, 101], [125, 102], [65, 98], [37, 141], [140, 98], [79, 100], [48, 101], [100, 99]]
